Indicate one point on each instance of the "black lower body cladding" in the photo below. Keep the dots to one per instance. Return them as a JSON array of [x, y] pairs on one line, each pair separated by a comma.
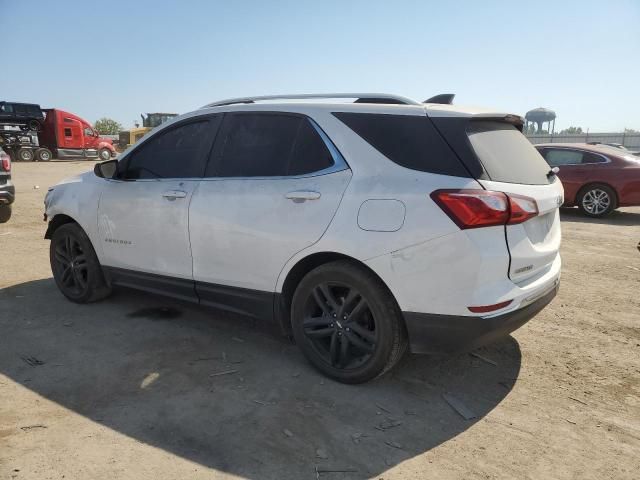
[[438, 334]]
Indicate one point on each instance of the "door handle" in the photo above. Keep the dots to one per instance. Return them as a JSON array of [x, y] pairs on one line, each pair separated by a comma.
[[173, 194], [302, 195]]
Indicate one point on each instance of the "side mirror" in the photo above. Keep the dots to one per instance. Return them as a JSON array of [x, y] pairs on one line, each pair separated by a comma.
[[106, 169]]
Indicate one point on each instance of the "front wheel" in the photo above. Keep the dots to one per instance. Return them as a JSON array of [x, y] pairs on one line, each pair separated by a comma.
[[597, 200], [104, 154], [75, 266], [347, 323]]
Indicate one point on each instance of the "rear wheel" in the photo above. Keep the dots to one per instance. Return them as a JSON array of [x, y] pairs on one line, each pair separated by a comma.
[[5, 213], [347, 323], [597, 200], [25, 155], [75, 267], [43, 154]]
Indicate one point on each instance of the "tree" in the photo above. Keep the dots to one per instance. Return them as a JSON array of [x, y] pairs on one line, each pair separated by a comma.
[[107, 126], [631, 130], [572, 130]]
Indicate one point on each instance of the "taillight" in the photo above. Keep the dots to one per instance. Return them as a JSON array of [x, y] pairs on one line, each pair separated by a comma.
[[484, 208], [522, 208], [6, 162]]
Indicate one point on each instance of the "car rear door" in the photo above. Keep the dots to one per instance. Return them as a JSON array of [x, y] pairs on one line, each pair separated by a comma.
[[271, 189]]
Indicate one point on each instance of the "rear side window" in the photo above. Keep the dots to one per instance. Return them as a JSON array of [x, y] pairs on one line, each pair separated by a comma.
[[409, 141], [177, 153], [268, 145], [557, 157], [506, 154]]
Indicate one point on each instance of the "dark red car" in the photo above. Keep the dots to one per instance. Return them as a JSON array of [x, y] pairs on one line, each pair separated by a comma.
[[596, 178]]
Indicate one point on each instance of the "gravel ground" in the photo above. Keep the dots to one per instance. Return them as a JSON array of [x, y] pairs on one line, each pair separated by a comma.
[[128, 388]]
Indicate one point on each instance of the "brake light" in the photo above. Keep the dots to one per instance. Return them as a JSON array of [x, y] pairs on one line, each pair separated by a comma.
[[522, 208], [6, 162], [484, 208]]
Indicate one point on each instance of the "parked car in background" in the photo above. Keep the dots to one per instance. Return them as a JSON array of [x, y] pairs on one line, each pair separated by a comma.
[[364, 229], [7, 190], [597, 178], [27, 116]]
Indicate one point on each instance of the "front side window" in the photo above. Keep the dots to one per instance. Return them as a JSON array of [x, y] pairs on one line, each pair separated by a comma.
[[176, 153], [269, 145], [88, 132]]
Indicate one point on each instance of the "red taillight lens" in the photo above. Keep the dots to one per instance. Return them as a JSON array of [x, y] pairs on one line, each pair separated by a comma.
[[522, 208], [484, 208], [473, 208], [6, 162]]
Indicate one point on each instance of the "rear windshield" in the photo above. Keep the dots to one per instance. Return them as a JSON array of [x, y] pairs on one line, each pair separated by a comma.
[[506, 154]]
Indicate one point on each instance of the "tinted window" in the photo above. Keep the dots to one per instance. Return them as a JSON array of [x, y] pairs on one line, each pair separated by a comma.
[[268, 145], [410, 141], [67, 132], [557, 157], [20, 108], [7, 107], [176, 153], [310, 153], [506, 154]]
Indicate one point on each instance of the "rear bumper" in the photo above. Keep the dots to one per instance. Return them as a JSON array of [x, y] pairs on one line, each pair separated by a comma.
[[433, 333], [7, 194]]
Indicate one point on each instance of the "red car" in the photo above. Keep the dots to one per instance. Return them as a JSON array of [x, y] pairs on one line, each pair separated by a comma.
[[596, 178]]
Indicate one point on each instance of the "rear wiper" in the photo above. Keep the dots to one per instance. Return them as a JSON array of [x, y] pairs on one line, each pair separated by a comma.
[[552, 172]]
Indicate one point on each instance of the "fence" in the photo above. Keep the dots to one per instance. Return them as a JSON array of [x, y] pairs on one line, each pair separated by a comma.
[[629, 140]]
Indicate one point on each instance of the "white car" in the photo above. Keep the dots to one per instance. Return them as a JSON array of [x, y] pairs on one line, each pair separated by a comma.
[[362, 228]]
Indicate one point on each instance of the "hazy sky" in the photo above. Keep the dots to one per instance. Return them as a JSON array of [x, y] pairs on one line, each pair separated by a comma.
[[121, 58]]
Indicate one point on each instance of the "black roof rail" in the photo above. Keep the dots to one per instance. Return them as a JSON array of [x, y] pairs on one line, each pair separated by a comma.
[[443, 98]]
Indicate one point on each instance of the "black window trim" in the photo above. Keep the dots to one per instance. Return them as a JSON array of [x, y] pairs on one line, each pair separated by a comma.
[[339, 162], [581, 150], [124, 161]]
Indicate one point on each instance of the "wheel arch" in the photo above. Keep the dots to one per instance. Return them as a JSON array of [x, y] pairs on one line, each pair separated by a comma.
[[56, 222], [586, 186], [297, 273]]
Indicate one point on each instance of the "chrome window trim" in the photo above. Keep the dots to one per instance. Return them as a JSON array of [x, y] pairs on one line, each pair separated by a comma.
[[606, 159]]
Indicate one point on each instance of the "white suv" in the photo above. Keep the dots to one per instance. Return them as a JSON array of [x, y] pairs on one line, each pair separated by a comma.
[[362, 227]]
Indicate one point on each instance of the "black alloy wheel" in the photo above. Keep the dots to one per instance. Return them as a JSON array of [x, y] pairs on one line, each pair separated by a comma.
[[347, 323], [340, 325], [70, 265], [75, 267]]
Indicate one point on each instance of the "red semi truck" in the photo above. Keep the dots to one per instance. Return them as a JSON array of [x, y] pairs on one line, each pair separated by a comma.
[[63, 135]]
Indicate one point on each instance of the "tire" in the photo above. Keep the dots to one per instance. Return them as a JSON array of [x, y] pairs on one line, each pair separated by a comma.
[[597, 200], [34, 125], [76, 269], [25, 155], [5, 213], [43, 155], [360, 322], [104, 154]]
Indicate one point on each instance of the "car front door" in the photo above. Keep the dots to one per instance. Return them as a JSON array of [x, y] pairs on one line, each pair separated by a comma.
[[143, 212], [271, 189]]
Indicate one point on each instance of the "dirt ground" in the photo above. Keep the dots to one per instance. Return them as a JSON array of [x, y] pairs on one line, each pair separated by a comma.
[[123, 389]]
